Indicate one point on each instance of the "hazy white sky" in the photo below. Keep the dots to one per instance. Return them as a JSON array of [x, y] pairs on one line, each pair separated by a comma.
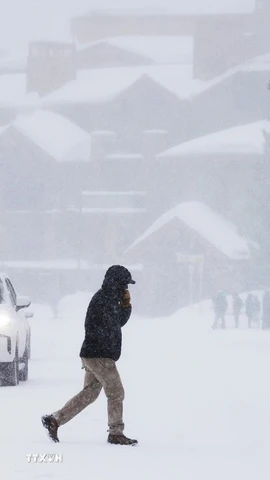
[[23, 20]]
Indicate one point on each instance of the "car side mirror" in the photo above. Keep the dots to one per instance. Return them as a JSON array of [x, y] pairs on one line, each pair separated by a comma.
[[23, 302]]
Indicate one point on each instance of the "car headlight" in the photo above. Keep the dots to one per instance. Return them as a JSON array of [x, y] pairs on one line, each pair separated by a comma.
[[5, 320]]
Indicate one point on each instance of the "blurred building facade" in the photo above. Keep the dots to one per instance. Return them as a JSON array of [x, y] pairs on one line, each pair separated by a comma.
[[126, 151], [221, 41]]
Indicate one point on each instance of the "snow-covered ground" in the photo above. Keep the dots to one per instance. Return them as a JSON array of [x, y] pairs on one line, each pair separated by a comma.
[[198, 401]]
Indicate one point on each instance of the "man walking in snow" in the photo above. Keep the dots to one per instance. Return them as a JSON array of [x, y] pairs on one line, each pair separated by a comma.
[[108, 311]]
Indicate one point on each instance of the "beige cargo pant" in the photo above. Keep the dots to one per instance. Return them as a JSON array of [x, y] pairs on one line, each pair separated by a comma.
[[99, 373]]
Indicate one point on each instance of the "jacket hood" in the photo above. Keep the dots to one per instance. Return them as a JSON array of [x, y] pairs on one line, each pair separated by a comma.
[[117, 276]]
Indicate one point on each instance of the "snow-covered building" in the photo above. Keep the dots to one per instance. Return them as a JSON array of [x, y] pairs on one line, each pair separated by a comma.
[[223, 169], [129, 142], [135, 51], [238, 96], [39, 157], [129, 101], [111, 220], [50, 65], [248, 139], [63, 140], [230, 32], [107, 55], [73, 196], [189, 253]]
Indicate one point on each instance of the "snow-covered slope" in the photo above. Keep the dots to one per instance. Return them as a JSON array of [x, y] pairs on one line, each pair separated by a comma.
[[197, 400]]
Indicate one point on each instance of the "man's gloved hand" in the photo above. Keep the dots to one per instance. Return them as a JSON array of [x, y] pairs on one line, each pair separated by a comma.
[[126, 301]]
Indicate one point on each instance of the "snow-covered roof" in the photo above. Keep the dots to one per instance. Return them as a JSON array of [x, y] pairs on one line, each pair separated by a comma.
[[160, 49], [93, 86], [13, 91], [57, 135], [242, 140], [178, 79], [211, 226], [255, 64], [105, 84]]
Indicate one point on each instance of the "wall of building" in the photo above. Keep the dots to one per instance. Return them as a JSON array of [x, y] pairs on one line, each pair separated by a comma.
[[239, 99], [49, 66]]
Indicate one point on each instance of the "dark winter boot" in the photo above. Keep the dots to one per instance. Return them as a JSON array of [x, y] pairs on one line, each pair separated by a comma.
[[49, 422], [121, 440]]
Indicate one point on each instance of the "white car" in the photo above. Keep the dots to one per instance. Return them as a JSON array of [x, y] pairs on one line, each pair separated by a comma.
[[15, 334]]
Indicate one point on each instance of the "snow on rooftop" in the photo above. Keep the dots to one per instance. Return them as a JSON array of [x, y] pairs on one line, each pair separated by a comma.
[[93, 86], [160, 49], [244, 139], [255, 64], [178, 79], [211, 226], [55, 134]]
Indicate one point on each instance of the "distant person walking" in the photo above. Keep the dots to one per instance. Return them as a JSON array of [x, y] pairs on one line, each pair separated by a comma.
[[252, 307], [257, 310], [108, 311], [220, 306], [266, 310], [237, 305]]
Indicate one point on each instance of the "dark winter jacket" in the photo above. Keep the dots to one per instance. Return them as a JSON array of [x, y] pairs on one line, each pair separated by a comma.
[[220, 304], [252, 305], [237, 304], [106, 315]]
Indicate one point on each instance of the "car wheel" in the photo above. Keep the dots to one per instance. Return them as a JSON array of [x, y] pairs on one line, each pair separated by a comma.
[[23, 375], [11, 371]]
